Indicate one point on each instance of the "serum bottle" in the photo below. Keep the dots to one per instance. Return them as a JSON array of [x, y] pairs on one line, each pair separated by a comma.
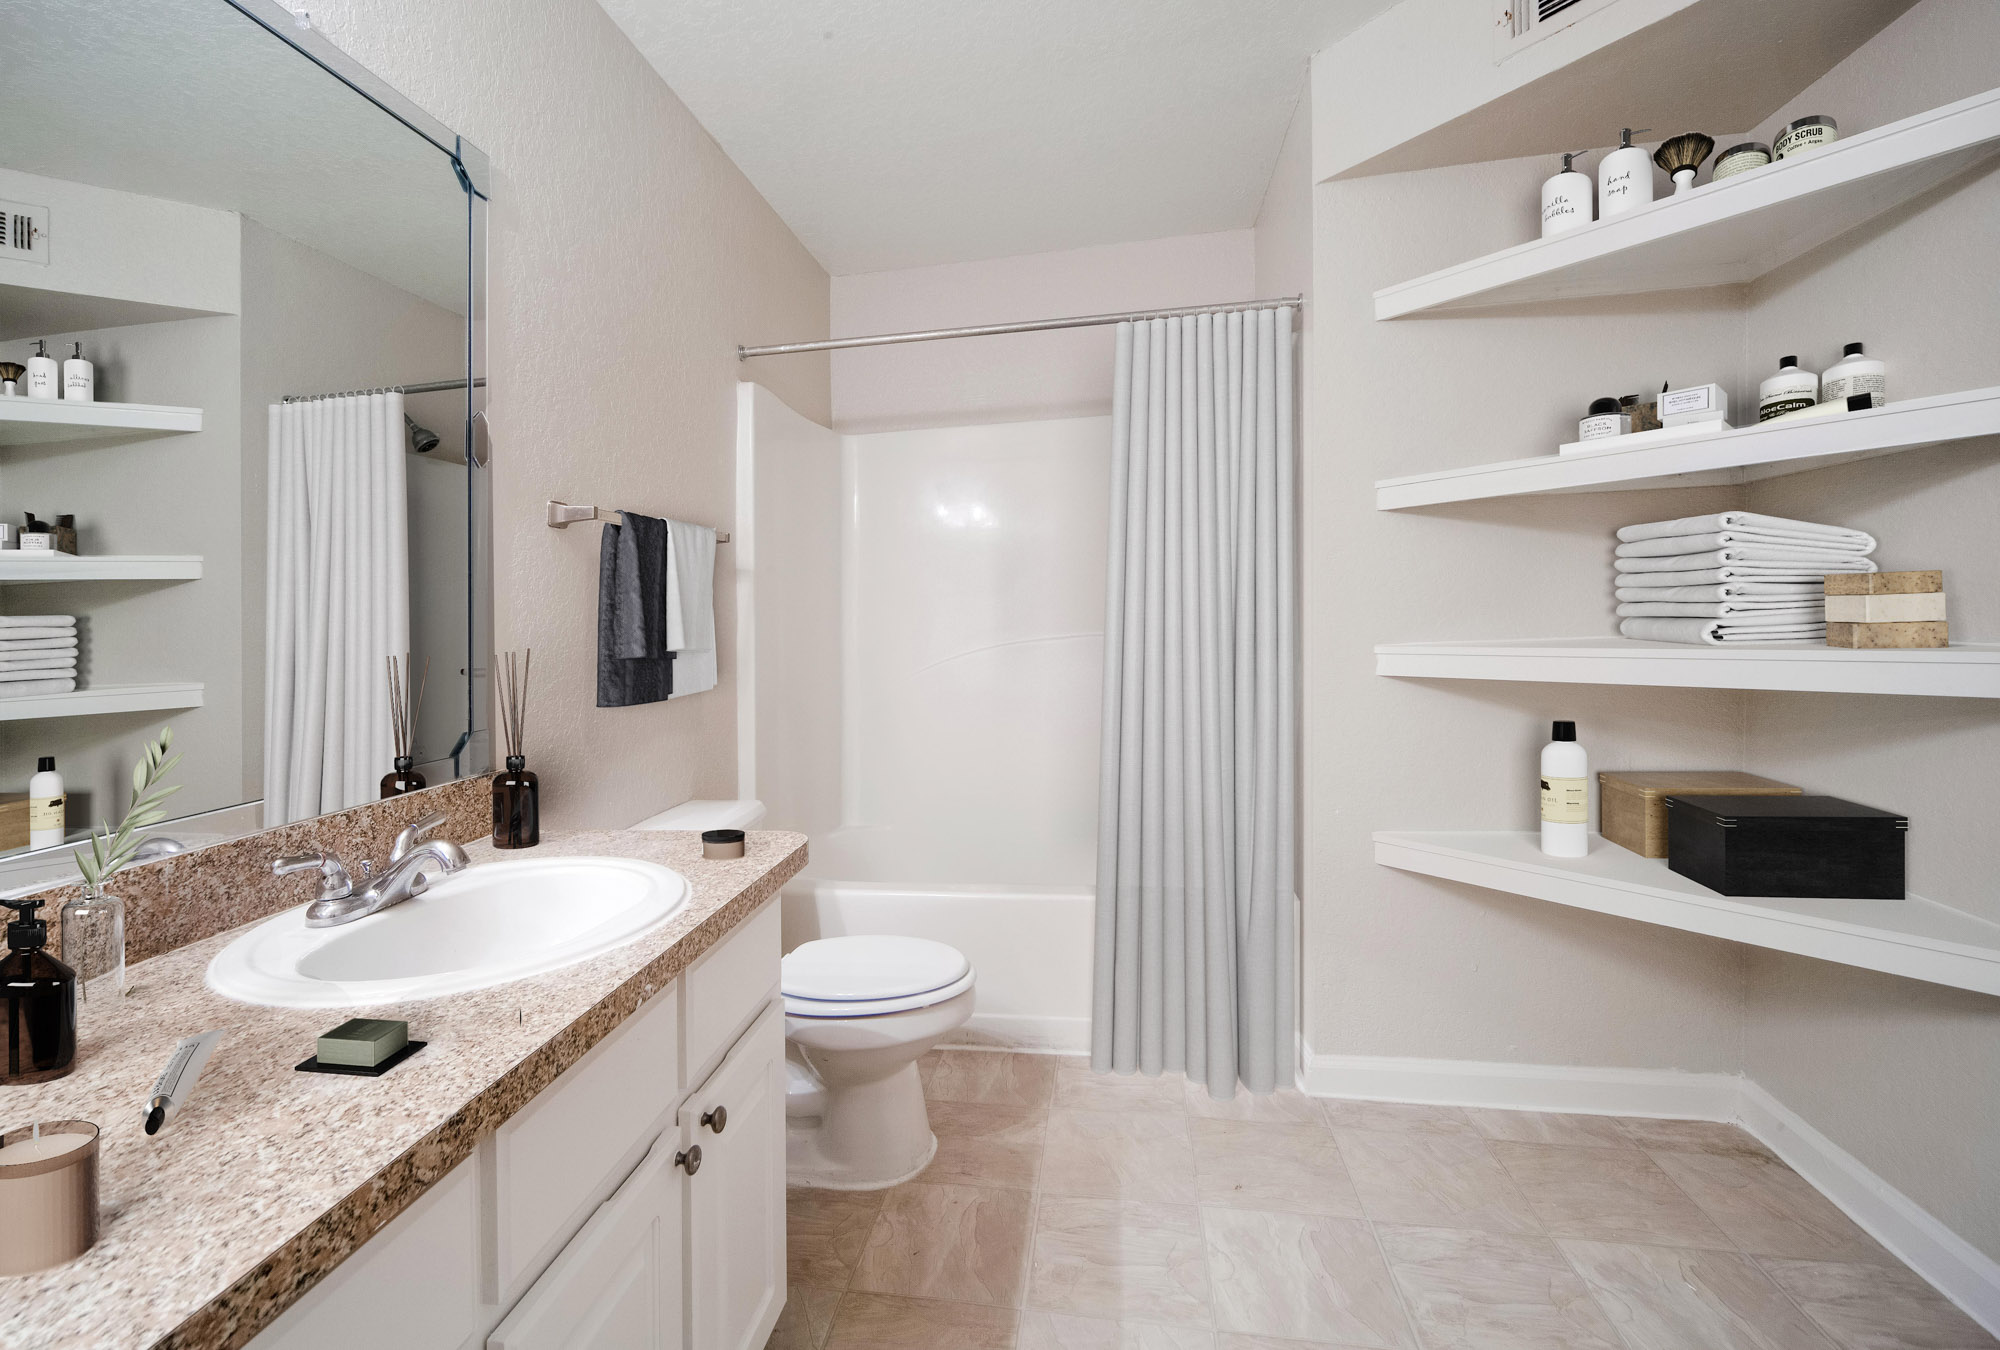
[[1565, 795]]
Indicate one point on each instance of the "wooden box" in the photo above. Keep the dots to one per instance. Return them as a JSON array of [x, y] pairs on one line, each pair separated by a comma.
[[1631, 804], [1819, 848], [13, 820]]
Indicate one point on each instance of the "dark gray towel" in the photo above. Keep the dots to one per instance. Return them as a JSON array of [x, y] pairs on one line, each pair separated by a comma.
[[633, 663]]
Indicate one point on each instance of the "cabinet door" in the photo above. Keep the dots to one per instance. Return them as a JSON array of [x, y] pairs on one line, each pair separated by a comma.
[[618, 1284], [736, 1201]]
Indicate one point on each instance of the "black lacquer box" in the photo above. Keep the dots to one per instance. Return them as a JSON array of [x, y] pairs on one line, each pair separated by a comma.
[[1790, 847]]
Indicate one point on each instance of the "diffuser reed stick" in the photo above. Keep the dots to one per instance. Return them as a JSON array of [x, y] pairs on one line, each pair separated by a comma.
[[512, 669], [405, 703], [517, 811]]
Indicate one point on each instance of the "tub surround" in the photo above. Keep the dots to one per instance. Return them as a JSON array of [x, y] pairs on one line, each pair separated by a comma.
[[269, 1178]]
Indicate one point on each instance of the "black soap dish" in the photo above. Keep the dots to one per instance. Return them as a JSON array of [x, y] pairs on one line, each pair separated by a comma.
[[365, 1070]]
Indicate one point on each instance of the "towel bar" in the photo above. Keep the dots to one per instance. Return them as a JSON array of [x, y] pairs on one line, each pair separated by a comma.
[[562, 515]]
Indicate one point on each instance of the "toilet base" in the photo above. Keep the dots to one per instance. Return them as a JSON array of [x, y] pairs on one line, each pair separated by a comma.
[[805, 1166]]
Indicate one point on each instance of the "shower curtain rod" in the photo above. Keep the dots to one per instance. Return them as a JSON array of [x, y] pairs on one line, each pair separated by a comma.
[[992, 329], [429, 387]]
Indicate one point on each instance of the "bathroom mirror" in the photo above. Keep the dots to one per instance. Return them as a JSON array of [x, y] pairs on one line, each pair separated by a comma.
[[258, 489]]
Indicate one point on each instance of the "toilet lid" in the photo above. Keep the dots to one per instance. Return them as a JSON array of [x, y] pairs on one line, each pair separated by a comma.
[[870, 969]]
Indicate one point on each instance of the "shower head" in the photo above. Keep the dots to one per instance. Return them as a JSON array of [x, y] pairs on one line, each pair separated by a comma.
[[422, 439]]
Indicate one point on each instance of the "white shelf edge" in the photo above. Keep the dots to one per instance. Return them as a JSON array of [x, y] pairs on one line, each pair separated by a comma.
[[1865, 933], [1954, 127], [62, 420], [103, 698], [1726, 456], [1963, 670], [23, 568]]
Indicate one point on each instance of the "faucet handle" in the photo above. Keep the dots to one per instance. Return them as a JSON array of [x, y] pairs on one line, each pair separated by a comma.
[[407, 837], [334, 883]]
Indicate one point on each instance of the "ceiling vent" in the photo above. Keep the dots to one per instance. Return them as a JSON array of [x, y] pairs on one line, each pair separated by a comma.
[[1518, 24], [24, 233]]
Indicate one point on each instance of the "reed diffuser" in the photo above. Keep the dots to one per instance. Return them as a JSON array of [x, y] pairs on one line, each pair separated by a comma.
[[404, 704], [517, 809]]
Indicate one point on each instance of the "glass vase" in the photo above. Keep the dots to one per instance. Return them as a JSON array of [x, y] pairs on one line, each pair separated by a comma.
[[93, 945], [517, 808]]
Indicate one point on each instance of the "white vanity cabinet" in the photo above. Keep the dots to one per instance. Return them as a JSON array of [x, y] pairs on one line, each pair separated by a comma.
[[585, 1219]]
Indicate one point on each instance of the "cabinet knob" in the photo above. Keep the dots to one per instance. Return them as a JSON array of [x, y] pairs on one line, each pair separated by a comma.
[[717, 1120], [689, 1161]]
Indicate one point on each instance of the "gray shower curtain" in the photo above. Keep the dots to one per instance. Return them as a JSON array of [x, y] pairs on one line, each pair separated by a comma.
[[1195, 941]]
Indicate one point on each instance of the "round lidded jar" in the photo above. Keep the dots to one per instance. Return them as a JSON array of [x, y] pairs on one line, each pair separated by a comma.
[[1808, 133], [1737, 158]]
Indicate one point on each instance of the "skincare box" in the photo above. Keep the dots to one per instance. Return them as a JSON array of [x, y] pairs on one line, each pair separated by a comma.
[[1632, 804], [1886, 610], [1698, 403], [1799, 848]]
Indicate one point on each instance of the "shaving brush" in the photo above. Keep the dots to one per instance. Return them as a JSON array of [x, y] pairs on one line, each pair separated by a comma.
[[1682, 155]]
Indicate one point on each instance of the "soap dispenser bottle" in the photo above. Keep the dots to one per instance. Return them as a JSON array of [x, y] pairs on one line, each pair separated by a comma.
[[1565, 199], [41, 1000], [1624, 177], [1565, 794], [79, 378], [42, 380]]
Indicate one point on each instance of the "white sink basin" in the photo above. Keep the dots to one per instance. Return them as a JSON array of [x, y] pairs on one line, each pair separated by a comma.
[[484, 926]]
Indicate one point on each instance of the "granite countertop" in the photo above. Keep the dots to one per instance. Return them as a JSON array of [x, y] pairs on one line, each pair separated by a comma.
[[268, 1178]]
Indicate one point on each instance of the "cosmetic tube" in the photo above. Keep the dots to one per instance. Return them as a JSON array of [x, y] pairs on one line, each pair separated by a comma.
[[176, 1081]]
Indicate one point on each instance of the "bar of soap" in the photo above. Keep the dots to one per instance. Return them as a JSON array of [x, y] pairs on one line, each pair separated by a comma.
[[1904, 608], [363, 1042]]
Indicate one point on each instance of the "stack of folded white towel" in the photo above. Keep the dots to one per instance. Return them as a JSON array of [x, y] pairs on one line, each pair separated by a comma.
[[1732, 577], [37, 654]]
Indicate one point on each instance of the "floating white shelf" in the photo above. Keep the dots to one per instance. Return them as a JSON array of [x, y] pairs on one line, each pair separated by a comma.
[[103, 698], [16, 566], [1965, 670], [1722, 233], [1738, 456], [1916, 938], [37, 421]]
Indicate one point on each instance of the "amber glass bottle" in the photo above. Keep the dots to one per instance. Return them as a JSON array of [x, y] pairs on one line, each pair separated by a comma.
[[41, 1001], [517, 806], [403, 778]]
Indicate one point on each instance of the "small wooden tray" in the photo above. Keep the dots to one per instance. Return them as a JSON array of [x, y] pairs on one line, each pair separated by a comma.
[[364, 1070]]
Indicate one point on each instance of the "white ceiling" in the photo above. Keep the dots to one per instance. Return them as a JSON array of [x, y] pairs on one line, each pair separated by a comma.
[[903, 133], [191, 101]]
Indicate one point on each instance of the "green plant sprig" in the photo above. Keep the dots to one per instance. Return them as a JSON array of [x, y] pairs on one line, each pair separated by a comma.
[[109, 852]]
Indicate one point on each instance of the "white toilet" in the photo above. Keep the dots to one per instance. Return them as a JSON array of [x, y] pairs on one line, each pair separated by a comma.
[[859, 1012]]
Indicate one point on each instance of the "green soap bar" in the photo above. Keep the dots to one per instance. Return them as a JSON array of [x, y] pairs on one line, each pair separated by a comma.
[[363, 1041]]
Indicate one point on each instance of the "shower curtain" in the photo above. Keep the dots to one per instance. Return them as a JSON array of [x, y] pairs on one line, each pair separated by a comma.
[[1196, 815], [337, 600]]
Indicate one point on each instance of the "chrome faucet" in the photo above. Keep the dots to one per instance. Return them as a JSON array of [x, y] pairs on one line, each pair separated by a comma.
[[403, 876]]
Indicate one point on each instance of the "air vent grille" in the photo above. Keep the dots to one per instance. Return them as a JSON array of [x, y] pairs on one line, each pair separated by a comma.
[[24, 233], [1521, 22]]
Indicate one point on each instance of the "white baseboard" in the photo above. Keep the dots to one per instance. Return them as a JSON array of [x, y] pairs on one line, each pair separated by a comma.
[[1960, 1271], [1963, 1273], [1041, 1035]]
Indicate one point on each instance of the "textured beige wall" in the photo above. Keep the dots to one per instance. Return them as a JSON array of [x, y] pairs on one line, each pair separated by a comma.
[[628, 259], [1904, 1075]]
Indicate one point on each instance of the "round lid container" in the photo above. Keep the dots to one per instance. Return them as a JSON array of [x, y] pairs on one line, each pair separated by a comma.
[[865, 969], [1737, 158]]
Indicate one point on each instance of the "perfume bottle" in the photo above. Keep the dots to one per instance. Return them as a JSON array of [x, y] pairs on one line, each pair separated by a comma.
[[517, 808], [402, 778], [41, 1001]]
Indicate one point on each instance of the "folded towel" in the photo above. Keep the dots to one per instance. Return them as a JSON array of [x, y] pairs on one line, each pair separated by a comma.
[[1779, 592], [28, 688], [634, 665], [1714, 576], [691, 606], [37, 621], [1716, 632], [1703, 543], [59, 672], [1763, 555], [16, 646], [1734, 610], [39, 661], [31, 634], [1745, 520]]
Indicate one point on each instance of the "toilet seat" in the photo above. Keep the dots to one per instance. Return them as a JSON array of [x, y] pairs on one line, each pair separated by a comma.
[[871, 976]]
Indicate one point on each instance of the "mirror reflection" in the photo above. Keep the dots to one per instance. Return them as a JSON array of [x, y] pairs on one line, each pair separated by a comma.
[[236, 304]]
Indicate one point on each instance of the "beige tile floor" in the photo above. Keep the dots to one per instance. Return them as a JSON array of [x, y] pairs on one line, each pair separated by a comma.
[[1068, 1210]]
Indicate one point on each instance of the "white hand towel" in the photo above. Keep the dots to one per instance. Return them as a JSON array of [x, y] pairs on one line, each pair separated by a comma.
[[1703, 543], [37, 620], [691, 606], [49, 661], [1739, 555], [29, 634], [1777, 592], [38, 646], [1713, 576], [11, 676], [1715, 632], [1734, 610], [1744, 520], [29, 688]]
